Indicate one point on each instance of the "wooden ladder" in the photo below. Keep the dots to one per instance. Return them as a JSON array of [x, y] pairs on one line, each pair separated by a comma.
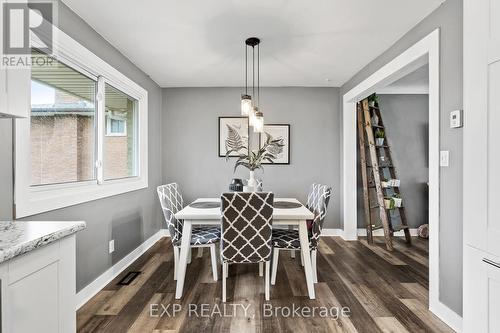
[[373, 192]]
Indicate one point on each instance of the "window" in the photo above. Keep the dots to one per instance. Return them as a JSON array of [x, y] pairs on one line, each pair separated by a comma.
[[86, 137], [62, 128], [119, 144]]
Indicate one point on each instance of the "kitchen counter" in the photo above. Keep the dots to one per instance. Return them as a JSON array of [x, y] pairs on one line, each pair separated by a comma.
[[19, 237]]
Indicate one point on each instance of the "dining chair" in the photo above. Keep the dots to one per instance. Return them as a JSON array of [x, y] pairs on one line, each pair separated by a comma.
[[246, 232], [202, 236], [288, 239]]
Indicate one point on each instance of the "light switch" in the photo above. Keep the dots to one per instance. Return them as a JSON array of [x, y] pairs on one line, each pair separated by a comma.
[[444, 159], [456, 119]]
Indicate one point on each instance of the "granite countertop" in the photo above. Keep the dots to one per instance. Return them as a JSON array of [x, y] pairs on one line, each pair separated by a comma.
[[19, 237]]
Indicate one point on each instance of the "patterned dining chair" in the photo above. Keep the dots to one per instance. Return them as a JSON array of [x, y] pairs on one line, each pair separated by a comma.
[[246, 232], [202, 236], [283, 239]]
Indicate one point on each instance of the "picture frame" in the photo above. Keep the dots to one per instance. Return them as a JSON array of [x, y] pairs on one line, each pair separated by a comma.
[[277, 130], [241, 124]]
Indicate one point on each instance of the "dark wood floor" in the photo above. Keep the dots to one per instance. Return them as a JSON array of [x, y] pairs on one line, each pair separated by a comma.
[[386, 292]]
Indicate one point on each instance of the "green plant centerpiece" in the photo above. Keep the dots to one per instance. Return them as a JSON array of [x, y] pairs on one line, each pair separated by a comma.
[[373, 100], [250, 159]]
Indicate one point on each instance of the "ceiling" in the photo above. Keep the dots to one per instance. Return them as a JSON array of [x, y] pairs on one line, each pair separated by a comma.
[[417, 82], [199, 43]]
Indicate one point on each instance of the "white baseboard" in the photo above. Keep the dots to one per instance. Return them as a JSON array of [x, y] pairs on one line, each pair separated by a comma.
[[380, 232], [362, 232], [84, 295], [447, 315]]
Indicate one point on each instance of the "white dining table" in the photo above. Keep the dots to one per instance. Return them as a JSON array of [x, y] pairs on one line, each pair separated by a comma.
[[212, 216]]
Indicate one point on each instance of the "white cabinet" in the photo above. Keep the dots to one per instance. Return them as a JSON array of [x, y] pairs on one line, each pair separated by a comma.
[[481, 291], [481, 278], [38, 290]]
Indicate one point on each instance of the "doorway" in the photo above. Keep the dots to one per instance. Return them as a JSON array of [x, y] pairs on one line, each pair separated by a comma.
[[425, 52]]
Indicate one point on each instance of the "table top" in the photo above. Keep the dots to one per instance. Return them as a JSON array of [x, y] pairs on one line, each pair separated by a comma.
[[190, 213]]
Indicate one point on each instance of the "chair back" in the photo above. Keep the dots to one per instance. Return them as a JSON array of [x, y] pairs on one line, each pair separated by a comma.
[[317, 203], [246, 227], [171, 202]]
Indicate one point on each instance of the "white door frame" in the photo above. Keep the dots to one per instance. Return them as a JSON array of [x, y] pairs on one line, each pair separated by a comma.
[[424, 51]]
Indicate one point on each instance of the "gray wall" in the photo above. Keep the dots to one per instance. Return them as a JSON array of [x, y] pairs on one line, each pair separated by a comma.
[[190, 137], [406, 121], [449, 19], [129, 218]]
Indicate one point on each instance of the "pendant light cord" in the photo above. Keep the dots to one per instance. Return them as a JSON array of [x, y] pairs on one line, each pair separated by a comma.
[[253, 70], [246, 70], [258, 75]]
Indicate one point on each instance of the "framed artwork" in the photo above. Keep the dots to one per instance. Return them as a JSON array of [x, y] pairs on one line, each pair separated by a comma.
[[276, 131], [240, 124]]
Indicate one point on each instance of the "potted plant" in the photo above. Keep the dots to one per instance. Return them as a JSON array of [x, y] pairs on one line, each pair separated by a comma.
[[379, 137], [389, 203], [398, 201], [385, 183], [373, 100], [252, 160]]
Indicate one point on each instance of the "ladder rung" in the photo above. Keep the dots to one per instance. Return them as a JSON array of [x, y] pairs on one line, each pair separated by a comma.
[[378, 126], [381, 166], [377, 227], [378, 147]]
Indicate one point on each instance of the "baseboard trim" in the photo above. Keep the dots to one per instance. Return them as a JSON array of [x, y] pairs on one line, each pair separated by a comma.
[[447, 315], [362, 232], [84, 295]]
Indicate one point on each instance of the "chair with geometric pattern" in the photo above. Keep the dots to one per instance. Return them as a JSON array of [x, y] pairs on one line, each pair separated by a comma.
[[202, 236], [288, 239], [246, 231]]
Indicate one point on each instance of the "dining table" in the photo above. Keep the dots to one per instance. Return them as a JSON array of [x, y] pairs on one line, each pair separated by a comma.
[[205, 211]]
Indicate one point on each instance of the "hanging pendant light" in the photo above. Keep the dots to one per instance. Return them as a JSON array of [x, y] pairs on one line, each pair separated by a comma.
[[258, 122], [246, 99]]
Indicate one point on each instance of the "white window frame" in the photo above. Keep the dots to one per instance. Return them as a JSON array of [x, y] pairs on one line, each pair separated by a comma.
[[31, 200], [109, 131]]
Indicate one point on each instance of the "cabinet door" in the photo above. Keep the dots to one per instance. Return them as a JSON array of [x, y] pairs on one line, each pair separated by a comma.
[[481, 291], [482, 117], [33, 302]]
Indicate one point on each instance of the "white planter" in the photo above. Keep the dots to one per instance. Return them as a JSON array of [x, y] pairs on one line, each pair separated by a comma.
[[375, 120], [385, 184], [395, 182], [379, 141], [371, 103], [398, 202], [387, 203]]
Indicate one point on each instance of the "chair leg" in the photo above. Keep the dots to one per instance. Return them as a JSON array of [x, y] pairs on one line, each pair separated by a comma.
[[267, 280], [224, 276], [189, 255], [276, 254], [313, 263], [301, 259], [214, 261], [200, 252], [176, 261], [261, 269]]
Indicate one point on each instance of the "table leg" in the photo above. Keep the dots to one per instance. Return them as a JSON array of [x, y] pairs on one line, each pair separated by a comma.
[[304, 247], [185, 246]]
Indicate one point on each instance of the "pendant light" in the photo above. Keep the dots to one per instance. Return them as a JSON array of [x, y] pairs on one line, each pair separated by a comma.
[[255, 117], [258, 123], [246, 99]]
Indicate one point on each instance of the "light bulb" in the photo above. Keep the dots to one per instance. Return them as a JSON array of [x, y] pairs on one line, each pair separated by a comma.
[[258, 126], [246, 105], [251, 115]]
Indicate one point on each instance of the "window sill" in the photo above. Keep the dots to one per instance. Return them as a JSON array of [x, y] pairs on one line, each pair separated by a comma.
[[42, 199]]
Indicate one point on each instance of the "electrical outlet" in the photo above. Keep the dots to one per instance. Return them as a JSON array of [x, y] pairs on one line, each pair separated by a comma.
[[444, 159], [456, 119], [112, 246]]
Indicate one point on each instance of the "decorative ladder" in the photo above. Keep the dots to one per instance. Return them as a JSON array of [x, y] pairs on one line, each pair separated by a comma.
[[371, 176]]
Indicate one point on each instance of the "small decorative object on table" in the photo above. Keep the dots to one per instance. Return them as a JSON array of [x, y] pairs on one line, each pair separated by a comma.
[[236, 185], [252, 160]]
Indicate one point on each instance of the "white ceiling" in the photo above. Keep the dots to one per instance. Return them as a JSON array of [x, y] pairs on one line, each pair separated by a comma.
[[199, 43], [417, 82]]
